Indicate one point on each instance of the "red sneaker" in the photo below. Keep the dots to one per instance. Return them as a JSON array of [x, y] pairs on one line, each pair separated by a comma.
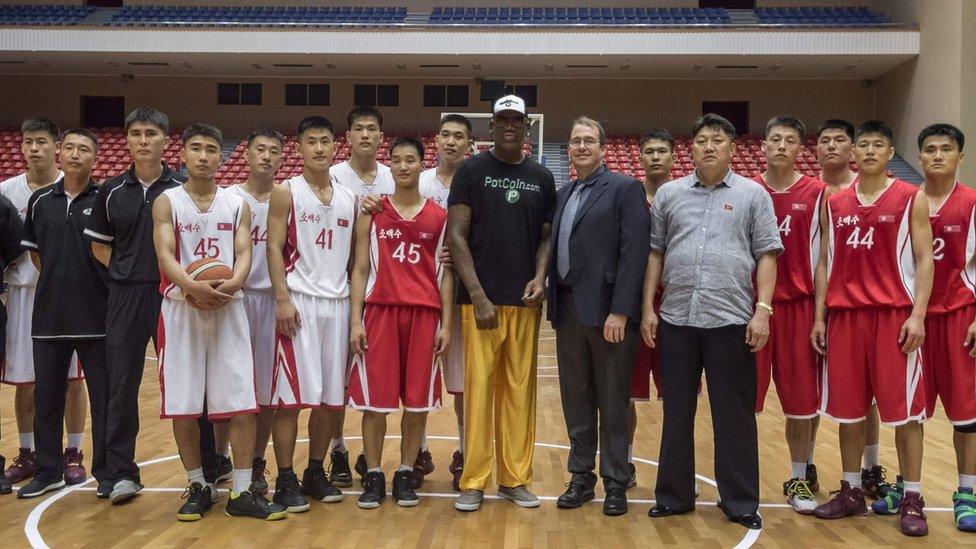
[[456, 468], [421, 468], [848, 502], [22, 467], [74, 468], [913, 522]]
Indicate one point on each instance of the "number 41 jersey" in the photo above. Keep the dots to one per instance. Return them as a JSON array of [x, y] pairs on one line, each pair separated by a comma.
[[870, 261], [403, 265]]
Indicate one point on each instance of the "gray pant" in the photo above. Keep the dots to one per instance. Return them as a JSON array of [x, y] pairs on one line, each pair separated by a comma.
[[594, 383]]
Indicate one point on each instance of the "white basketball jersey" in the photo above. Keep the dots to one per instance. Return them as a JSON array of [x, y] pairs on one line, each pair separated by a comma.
[[203, 234], [346, 176], [431, 188], [21, 272], [258, 279], [319, 241]]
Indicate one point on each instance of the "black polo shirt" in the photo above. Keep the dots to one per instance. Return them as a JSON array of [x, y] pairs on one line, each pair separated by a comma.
[[11, 228], [72, 289], [122, 218]]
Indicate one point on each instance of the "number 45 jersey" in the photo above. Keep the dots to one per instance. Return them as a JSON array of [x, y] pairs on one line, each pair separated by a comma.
[[403, 266], [870, 262], [798, 218]]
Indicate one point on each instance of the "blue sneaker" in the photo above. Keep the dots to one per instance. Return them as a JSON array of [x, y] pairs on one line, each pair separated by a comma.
[[964, 507], [891, 502]]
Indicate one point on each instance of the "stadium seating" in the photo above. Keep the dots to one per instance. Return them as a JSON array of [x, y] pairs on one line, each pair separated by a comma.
[[257, 16], [23, 14], [577, 16], [819, 16]]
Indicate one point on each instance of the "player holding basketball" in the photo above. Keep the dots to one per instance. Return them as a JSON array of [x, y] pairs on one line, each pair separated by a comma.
[[401, 318], [874, 277], [310, 231], [206, 352], [264, 156], [795, 368]]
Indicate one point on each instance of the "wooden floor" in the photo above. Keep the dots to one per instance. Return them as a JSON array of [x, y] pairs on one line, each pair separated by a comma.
[[74, 518]]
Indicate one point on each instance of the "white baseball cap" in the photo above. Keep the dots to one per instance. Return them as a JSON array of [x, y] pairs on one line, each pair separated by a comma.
[[509, 103]]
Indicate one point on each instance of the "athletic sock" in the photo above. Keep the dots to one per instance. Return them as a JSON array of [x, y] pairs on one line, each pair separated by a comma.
[[966, 482], [799, 470], [854, 479], [74, 440], [196, 475], [27, 440], [423, 441], [403, 467], [338, 443], [283, 471], [871, 456], [912, 486], [242, 480], [630, 453], [460, 427], [379, 469]]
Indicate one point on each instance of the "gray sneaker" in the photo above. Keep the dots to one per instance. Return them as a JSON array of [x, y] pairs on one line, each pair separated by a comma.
[[519, 495], [124, 490], [469, 500]]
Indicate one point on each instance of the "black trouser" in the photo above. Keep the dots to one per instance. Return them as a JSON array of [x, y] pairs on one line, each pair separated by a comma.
[[594, 384], [52, 359], [730, 372]]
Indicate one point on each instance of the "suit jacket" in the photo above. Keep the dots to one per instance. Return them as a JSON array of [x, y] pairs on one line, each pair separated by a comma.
[[608, 250]]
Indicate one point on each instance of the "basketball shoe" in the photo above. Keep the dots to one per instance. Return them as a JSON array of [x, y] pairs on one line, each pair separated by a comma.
[[964, 509], [22, 467], [403, 493], [318, 486], [913, 521], [288, 493], [421, 468], [249, 504], [456, 468], [199, 500], [847, 502], [5, 486], [339, 473], [375, 490], [873, 481], [259, 483], [890, 502], [74, 467], [798, 495]]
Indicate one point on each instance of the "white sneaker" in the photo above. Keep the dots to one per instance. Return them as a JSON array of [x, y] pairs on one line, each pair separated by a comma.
[[469, 500], [798, 495]]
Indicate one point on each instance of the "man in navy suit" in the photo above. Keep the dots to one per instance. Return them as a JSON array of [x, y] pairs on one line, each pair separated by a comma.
[[602, 233]]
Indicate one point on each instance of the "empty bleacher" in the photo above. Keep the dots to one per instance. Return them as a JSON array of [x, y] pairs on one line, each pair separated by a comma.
[[577, 16], [24, 14], [258, 16], [819, 16]]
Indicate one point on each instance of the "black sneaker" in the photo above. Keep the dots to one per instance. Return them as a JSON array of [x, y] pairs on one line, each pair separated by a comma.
[[5, 485], [632, 481], [375, 490], [288, 493], [874, 482], [317, 486], [37, 487], [258, 481], [225, 469], [249, 504], [339, 473], [104, 489], [361, 469], [199, 500], [813, 480], [403, 493]]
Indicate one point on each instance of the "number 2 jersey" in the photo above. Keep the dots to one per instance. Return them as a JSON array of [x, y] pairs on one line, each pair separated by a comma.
[[201, 235], [798, 218], [953, 246], [403, 265], [258, 279], [870, 262], [319, 241]]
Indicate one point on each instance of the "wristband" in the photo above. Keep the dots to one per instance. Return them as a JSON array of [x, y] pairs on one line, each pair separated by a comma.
[[767, 306]]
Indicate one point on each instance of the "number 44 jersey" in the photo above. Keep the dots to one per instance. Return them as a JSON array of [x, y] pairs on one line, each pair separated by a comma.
[[870, 262], [403, 266]]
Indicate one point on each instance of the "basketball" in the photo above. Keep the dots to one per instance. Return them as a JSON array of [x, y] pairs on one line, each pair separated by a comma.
[[208, 268]]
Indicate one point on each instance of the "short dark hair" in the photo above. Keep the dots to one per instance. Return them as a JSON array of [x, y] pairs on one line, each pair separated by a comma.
[[365, 111], [785, 122], [202, 130], [943, 129], [875, 126], [590, 123], [408, 142], [270, 134], [314, 123], [836, 124], [715, 122], [457, 119], [148, 115], [41, 125], [84, 132], [659, 135]]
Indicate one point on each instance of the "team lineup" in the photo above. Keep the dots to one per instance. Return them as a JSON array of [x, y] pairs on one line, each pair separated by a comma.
[[378, 288]]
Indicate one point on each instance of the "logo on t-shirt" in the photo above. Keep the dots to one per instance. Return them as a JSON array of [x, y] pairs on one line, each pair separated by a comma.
[[884, 218], [86, 211], [953, 228], [224, 227], [343, 222], [512, 196]]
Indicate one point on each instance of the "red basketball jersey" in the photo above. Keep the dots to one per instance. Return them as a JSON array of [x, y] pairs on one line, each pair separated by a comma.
[[870, 261], [403, 264], [798, 218], [953, 246]]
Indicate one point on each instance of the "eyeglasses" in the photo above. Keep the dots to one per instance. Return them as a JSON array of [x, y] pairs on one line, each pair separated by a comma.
[[587, 142]]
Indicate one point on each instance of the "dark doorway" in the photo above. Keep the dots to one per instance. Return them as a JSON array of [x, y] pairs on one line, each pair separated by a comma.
[[105, 112], [737, 112], [104, 3], [728, 4]]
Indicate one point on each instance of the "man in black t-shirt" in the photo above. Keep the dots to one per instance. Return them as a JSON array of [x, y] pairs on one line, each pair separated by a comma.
[[10, 249], [500, 214]]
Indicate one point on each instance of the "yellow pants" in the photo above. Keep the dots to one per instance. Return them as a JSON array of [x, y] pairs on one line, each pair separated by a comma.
[[499, 396]]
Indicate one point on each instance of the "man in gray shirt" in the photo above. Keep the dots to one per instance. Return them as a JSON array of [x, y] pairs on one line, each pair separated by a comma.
[[711, 231]]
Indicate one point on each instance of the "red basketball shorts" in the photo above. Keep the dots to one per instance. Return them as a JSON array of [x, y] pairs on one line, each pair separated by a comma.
[[865, 362], [950, 373], [646, 366], [398, 366], [790, 360]]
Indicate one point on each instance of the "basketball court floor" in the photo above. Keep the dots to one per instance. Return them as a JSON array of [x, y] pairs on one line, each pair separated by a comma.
[[74, 518]]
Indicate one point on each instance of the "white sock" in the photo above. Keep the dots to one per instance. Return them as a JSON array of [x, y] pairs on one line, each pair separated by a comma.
[[854, 479], [196, 475], [423, 442], [74, 440], [224, 450], [799, 470], [27, 440], [378, 469], [913, 486], [242, 480], [967, 481], [461, 438], [403, 467], [871, 455], [338, 443], [630, 453]]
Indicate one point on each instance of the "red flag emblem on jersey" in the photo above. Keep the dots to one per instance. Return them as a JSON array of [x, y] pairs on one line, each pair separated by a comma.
[[886, 218], [426, 236], [799, 207], [953, 228], [225, 227], [728, 206], [343, 222]]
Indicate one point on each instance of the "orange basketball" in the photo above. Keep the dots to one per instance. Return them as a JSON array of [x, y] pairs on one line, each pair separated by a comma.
[[208, 268]]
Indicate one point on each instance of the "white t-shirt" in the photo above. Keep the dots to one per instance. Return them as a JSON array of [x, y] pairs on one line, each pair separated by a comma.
[[21, 272], [431, 187], [347, 177]]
